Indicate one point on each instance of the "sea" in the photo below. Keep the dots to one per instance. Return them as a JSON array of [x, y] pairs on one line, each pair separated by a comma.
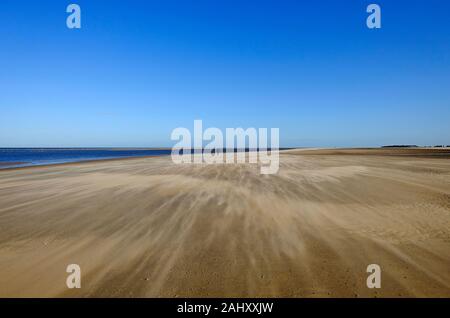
[[22, 157]]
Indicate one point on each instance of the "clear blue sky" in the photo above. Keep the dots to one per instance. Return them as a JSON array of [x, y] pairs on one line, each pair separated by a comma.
[[138, 69]]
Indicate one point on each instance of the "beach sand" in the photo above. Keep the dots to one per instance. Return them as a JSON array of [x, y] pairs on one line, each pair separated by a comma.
[[148, 228]]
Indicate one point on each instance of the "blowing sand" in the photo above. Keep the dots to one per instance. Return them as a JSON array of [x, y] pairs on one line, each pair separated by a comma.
[[149, 228]]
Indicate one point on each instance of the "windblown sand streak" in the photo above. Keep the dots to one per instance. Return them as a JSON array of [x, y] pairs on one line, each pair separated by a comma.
[[149, 228]]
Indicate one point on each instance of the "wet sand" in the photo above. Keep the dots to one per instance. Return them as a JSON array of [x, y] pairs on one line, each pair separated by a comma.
[[148, 228], [7, 163]]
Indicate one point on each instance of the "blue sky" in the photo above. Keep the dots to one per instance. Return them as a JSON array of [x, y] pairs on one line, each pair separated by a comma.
[[138, 69]]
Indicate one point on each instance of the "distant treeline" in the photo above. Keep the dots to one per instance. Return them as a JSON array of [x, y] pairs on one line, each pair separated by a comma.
[[198, 150], [414, 146], [400, 146]]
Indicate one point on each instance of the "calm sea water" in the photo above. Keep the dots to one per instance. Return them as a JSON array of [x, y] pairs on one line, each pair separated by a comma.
[[19, 157]]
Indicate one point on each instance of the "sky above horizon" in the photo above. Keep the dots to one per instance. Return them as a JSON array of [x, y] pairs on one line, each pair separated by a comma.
[[136, 70]]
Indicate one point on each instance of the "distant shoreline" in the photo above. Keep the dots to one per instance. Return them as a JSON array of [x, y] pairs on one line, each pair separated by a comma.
[[75, 162], [429, 152], [24, 157]]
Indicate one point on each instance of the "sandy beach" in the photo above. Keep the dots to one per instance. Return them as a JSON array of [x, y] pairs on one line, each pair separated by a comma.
[[148, 228]]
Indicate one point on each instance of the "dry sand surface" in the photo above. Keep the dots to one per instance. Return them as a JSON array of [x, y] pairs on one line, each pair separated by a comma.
[[148, 228]]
